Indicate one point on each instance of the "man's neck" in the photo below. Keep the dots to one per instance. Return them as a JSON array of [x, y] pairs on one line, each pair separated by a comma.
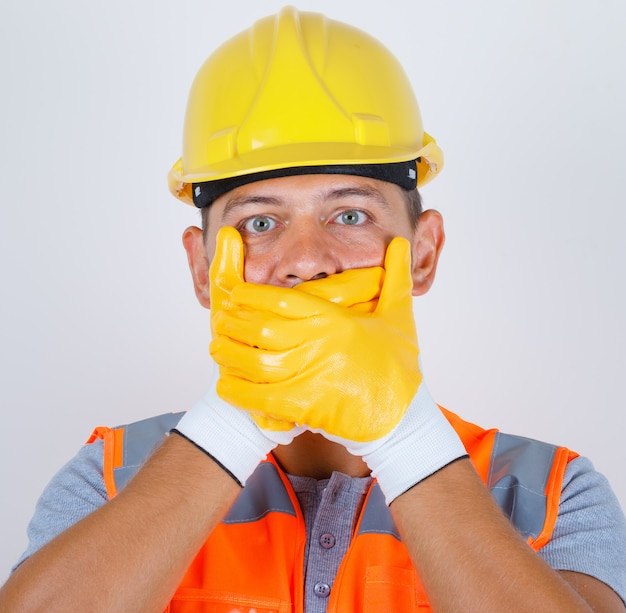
[[312, 455]]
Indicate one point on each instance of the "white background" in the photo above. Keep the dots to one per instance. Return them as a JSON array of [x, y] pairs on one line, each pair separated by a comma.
[[524, 328]]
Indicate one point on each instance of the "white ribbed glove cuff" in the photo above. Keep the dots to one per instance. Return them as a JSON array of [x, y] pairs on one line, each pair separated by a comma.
[[421, 444], [229, 435]]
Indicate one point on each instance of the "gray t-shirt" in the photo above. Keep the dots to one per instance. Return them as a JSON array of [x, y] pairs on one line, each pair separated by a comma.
[[589, 537]]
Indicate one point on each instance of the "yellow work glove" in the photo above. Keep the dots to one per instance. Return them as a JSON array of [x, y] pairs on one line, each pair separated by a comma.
[[291, 357], [338, 356]]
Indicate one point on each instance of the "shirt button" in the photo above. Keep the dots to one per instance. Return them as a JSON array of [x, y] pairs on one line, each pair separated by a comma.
[[327, 540], [321, 590]]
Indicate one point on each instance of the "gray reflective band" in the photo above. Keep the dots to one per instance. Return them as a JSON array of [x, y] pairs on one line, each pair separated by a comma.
[[376, 517], [140, 440], [518, 475], [264, 493]]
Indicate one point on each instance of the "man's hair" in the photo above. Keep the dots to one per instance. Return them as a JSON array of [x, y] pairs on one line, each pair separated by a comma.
[[412, 198], [414, 205]]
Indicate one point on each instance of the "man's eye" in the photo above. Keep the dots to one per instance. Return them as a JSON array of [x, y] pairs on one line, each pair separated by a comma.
[[352, 218], [259, 224]]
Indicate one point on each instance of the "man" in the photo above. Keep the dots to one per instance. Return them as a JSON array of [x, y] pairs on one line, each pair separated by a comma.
[[303, 148]]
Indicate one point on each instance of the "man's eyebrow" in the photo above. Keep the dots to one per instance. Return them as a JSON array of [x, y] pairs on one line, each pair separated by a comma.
[[239, 201], [370, 193]]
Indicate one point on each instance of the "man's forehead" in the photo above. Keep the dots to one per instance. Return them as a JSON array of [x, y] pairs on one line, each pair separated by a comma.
[[283, 191]]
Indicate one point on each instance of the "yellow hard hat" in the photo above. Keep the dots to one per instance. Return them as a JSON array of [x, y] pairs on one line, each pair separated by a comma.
[[296, 92]]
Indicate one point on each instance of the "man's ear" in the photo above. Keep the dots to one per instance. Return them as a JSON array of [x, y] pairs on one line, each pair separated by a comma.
[[428, 241], [193, 241]]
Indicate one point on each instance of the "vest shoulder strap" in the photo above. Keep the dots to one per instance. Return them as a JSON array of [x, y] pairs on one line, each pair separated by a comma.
[[525, 478]]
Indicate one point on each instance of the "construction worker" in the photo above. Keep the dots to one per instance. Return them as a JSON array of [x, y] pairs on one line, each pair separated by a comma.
[[317, 473]]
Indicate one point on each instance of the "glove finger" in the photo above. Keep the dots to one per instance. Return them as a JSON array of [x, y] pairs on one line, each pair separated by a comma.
[[253, 364], [263, 330], [348, 288], [268, 405], [281, 301], [227, 267], [270, 424]]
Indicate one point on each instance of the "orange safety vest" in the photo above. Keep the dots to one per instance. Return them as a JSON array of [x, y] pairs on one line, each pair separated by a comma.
[[253, 562]]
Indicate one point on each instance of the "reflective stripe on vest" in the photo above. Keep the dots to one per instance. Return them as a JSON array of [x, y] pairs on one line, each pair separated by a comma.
[[518, 478], [264, 493]]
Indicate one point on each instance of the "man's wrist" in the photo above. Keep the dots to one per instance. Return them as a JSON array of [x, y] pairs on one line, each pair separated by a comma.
[[224, 468], [227, 434], [420, 445]]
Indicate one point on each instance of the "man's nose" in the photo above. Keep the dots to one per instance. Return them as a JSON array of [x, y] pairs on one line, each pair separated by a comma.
[[307, 254]]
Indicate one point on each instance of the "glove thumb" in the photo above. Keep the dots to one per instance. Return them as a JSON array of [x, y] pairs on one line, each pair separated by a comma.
[[397, 288], [227, 267]]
